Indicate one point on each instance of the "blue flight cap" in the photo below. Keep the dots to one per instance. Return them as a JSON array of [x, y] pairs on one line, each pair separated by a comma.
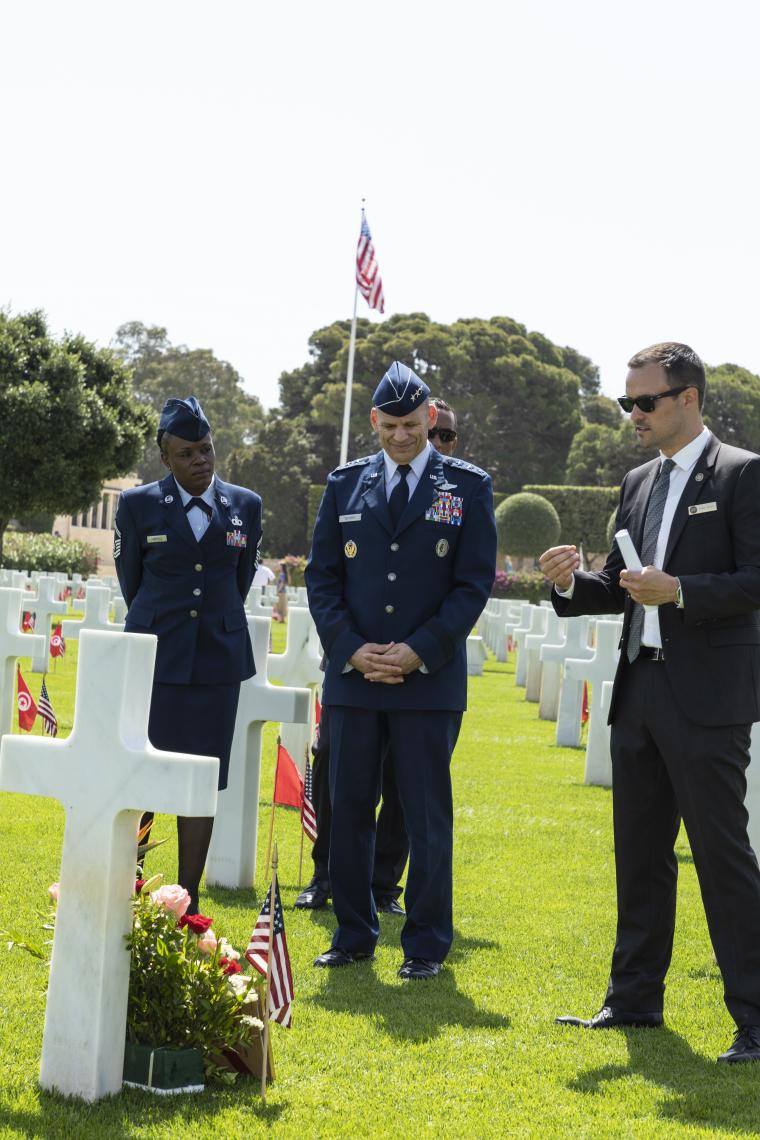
[[185, 419], [400, 391]]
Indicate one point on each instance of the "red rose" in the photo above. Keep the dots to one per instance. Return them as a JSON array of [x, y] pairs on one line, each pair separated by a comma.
[[230, 966], [197, 923]]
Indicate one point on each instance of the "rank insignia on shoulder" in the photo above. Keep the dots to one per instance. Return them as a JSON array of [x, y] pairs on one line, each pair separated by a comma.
[[442, 547], [235, 538], [350, 549], [236, 521]]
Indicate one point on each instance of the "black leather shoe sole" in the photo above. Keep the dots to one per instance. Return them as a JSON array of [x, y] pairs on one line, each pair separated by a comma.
[[419, 969], [608, 1018], [389, 906], [313, 897], [335, 957]]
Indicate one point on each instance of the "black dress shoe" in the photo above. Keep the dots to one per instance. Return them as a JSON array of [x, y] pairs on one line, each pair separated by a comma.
[[746, 1046], [417, 969], [609, 1018], [389, 906], [314, 895], [337, 957]]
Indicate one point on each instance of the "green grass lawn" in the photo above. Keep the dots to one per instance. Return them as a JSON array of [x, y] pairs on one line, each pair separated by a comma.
[[473, 1053]]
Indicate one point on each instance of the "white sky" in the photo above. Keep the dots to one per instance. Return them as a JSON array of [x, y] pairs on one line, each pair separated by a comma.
[[587, 167]]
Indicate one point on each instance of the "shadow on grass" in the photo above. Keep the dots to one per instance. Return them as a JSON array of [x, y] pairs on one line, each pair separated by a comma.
[[697, 1090], [124, 1115]]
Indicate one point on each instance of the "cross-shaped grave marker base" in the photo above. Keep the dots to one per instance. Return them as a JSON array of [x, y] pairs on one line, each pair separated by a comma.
[[97, 604], [298, 665], [103, 774], [232, 855], [45, 605], [13, 644]]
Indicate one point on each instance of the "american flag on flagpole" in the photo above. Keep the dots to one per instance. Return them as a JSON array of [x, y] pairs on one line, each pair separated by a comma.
[[281, 988], [367, 274], [45, 710], [308, 815]]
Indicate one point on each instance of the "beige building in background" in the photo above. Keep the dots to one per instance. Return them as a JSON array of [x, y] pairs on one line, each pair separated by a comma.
[[96, 524]]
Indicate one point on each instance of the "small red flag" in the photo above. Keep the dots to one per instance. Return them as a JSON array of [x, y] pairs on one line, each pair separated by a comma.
[[57, 642], [317, 712], [288, 781], [27, 709], [584, 705]]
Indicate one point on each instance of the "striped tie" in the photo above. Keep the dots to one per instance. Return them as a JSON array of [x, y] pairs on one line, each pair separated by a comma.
[[652, 524]]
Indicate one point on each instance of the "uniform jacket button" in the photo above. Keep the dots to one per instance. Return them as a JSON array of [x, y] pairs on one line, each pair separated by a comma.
[[394, 546], [391, 577], [198, 565], [390, 609], [193, 613], [197, 592]]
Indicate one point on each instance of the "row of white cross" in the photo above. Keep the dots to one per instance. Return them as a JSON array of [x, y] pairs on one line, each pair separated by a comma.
[[105, 774]]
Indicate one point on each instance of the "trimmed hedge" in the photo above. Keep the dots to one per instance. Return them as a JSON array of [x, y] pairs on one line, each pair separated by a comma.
[[527, 524], [529, 586], [46, 552], [583, 511]]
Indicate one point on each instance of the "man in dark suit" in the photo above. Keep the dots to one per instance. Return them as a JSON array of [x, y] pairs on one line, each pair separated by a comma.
[[186, 550], [686, 692], [391, 843], [402, 562]]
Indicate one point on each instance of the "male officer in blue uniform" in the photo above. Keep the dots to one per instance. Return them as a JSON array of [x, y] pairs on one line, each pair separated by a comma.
[[186, 550], [402, 562]]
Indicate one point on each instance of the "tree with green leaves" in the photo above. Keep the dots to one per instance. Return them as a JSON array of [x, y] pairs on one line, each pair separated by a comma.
[[161, 369], [732, 405], [70, 420], [516, 395]]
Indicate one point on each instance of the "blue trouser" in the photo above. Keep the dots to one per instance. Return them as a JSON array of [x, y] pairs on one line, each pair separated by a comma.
[[422, 744]]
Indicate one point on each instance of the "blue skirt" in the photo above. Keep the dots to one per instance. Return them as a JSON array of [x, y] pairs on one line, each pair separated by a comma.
[[197, 719]]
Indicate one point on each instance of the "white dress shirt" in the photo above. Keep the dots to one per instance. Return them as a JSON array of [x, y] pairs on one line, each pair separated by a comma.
[[418, 465], [685, 461], [198, 519]]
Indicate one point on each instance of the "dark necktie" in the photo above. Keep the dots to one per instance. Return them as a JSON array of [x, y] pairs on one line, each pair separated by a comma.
[[652, 524], [196, 502], [400, 494]]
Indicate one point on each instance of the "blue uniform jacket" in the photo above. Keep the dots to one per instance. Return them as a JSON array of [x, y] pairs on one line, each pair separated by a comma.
[[190, 594], [425, 583]]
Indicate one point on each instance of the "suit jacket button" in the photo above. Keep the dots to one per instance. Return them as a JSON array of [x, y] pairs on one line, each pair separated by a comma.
[[197, 592], [193, 613], [391, 577], [390, 609], [198, 565], [394, 546]]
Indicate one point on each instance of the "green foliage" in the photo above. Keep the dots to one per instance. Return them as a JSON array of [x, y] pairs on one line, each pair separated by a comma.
[[732, 405], [38, 522], [526, 524], [316, 491], [73, 418], [277, 468], [46, 552], [161, 370], [598, 409], [527, 586], [611, 529], [516, 395], [583, 512], [179, 996], [601, 455]]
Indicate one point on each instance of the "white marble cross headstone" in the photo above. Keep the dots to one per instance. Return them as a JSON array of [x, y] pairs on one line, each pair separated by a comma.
[[13, 644], [547, 630], [298, 665], [45, 605], [598, 756], [232, 856], [476, 656], [254, 605], [595, 670], [573, 642], [535, 623], [97, 604], [103, 774]]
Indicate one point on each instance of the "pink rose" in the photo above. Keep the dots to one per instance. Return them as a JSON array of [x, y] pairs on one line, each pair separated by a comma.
[[54, 890], [172, 896], [207, 942]]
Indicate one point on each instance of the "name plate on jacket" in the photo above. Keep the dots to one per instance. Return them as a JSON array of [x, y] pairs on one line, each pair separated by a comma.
[[702, 508], [157, 538]]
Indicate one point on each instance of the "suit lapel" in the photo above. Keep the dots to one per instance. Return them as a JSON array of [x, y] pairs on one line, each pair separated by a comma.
[[221, 515], [699, 480], [171, 502], [373, 492]]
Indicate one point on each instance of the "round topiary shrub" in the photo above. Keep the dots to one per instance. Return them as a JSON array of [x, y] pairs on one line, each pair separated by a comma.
[[527, 525]]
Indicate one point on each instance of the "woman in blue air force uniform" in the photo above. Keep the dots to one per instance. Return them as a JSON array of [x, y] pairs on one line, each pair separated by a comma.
[[186, 550]]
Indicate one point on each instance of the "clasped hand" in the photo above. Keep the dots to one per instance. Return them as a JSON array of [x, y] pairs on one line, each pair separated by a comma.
[[385, 663]]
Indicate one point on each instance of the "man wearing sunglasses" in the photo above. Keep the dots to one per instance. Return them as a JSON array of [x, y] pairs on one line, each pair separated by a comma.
[[686, 692], [443, 434]]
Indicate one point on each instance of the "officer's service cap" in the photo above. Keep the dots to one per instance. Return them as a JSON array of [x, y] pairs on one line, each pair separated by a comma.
[[185, 419], [400, 391]]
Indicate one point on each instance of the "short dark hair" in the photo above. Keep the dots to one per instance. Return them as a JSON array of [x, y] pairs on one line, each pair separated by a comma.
[[680, 364], [442, 406]]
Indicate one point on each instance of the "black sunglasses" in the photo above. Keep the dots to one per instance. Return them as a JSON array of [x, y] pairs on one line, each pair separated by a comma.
[[446, 435], [649, 403]]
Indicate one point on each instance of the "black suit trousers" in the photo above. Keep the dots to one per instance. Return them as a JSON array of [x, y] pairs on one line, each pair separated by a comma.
[[391, 842], [666, 768]]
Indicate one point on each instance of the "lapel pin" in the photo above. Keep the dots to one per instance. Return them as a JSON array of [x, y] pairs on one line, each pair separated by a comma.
[[169, 499], [224, 501], [236, 521], [698, 477]]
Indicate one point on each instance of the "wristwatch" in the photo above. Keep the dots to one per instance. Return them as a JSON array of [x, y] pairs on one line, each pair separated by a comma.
[[679, 595]]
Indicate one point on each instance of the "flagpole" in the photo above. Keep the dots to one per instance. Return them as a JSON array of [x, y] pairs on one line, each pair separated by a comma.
[[349, 383], [271, 821], [265, 1012]]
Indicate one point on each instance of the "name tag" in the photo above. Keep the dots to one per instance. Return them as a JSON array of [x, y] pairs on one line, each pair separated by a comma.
[[447, 508], [702, 508], [157, 538], [350, 518]]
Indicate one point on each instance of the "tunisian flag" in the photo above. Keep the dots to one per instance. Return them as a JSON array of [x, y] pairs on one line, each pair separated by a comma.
[[57, 642], [27, 709], [288, 781]]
